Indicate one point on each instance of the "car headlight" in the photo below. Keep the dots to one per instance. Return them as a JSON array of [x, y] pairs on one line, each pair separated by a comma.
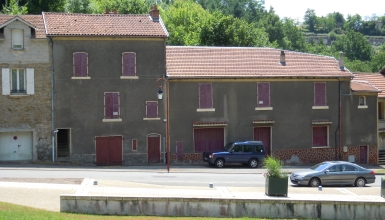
[[211, 156]]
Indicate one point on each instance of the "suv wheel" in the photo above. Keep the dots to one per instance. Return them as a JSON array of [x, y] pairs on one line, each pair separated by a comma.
[[253, 163], [219, 163]]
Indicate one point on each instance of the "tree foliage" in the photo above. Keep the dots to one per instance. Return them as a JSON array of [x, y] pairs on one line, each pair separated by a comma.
[[310, 19], [355, 46], [77, 6], [122, 6], [13, 8], [294, 39]]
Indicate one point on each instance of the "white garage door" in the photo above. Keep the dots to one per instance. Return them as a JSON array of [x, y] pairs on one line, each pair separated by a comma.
[[15, 146]]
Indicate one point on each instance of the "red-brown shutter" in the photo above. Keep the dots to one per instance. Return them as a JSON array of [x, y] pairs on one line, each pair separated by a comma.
[[152, 109], [205, 95], [129, 64], [115, 102], [320, 94], [179, 150], [263, 95], [80, 64], [108, 105], [134, 144], [319, 136]]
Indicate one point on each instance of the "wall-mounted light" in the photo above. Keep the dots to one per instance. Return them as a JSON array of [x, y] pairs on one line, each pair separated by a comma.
[[160, 94]]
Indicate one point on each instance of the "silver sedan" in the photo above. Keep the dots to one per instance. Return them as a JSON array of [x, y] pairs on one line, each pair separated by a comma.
[[333, 173]]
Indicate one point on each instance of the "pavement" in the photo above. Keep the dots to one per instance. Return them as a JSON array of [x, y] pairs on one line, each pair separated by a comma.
[[46, 195]]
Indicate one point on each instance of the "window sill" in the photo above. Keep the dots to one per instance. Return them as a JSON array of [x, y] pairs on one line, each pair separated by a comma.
[[129, 77], [17, 50], [206, 110], [320, 107], [321, 147], [81, 77], [113, 120], [14, 96], [263, 108], [362, 106], [151, 119]]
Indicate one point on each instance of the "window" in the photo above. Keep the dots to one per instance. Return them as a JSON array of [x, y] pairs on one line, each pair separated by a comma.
[[335, 168], [263, 94], [17, 39], [320, 94], [111, 107], [247, 148], [80, 65], [237, 148], [381, 110], [320, 136], [151, 110], [18, 81], [128, 65], [205, 97], [134, 144]]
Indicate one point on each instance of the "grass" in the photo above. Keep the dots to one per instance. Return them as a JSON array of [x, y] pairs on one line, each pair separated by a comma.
[[10, 212]]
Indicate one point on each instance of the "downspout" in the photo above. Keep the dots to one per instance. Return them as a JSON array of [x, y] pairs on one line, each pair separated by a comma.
[[52, 101], [339, 122]]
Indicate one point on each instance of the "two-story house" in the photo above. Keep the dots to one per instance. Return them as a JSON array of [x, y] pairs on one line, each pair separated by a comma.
[[25, 101], [300, 105], [105, 105]]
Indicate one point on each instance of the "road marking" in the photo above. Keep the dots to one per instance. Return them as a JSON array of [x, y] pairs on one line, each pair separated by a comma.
[[347, 192]]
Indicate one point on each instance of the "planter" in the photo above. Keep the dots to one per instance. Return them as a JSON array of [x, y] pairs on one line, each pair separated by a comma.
[[383, 187], [275, 186]]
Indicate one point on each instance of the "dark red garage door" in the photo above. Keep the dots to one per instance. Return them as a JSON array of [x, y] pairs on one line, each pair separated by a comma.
[[208, 139], [153, 143], [109, 150], [263, 134]]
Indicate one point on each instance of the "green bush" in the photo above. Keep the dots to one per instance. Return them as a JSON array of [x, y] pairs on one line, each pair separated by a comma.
[[274, 167]]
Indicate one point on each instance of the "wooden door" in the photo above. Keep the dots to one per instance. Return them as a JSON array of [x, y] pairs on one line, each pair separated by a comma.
[[263, 134], [363, 154], [102, 153], [109, 150], [153, 146], [208, 139]]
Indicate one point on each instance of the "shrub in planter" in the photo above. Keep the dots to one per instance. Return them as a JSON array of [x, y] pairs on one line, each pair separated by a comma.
[[276, 180]]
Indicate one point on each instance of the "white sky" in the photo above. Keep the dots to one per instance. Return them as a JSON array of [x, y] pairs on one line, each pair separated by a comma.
[[296, 9]]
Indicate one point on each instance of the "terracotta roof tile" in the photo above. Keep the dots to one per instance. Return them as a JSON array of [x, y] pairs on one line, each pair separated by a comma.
[[65, 24], [209, 123], [375, 79], [35, 20], [246, 62], [263, 121], [363, 86]]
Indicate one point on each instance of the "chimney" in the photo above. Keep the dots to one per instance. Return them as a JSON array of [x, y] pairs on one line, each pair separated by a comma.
[[115, 11], [282, 59], [107, 11], [341, 61], [154, 13]]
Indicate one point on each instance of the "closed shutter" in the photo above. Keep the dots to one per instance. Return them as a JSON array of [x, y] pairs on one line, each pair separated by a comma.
[[319, 94], [208, 139], [30, 81], [320, 136], [179, 150], [108, 105], [129, 64], [263, 94], [152, 109], [80, 64], [134, 144], [17, 39], [205, 95], [115, 101], [6, 85], [263, 134]]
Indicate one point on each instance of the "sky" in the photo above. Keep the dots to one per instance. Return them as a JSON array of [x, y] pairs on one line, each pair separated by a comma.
[[296, 9]]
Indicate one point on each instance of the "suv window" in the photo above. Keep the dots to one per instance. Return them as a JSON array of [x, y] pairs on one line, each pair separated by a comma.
[[247, 149], [259, 149], [237, 148]]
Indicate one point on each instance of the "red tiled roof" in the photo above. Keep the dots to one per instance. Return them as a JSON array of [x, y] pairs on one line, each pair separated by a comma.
[[262, 121], [321, 121], [210, 123], [246, 62], [35, 20], [375, 79], [363, 86], [65, 24]]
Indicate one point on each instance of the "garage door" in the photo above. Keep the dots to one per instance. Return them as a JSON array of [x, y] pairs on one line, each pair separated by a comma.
[[15, 146], [263, 134], [109, 150], [208, 139]]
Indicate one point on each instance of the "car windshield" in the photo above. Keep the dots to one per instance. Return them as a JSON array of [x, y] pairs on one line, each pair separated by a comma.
[[320, 166], [229, 146]]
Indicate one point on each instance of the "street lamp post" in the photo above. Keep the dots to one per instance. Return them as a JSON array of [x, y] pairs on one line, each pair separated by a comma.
[[160, 97]]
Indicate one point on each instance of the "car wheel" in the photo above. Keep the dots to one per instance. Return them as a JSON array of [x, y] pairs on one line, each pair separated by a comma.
[[360, 182], [219, 163], [253, 163], [314, 182]]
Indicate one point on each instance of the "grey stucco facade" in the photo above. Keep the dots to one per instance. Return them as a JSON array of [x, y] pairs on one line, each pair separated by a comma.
[[79, 103]]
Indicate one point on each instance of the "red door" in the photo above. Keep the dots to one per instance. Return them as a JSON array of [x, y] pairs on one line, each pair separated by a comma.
[[153, 146], [208, 139], [263, 134], [363, 154], [179, 150], [109, 150]]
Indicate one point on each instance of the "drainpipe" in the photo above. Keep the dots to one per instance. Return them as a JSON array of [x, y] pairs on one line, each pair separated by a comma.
[[52, 101], [339, 122]]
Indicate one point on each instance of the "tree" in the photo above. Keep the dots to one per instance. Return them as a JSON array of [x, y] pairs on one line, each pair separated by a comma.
[[378, 62], [273, 27], [355, 46], [13, 8], [122, 6], [77, 6], [294, 39], [354, 23], [38, 6], [310, 19]]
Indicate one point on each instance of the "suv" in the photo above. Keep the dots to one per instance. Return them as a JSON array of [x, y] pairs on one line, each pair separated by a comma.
[[248, 153]]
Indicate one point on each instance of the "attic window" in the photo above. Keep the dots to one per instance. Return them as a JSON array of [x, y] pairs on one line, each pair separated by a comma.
[[33, 33], [1, 32]]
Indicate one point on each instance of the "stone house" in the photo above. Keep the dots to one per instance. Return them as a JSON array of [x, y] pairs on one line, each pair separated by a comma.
[[304, 107], [25, 100], [106, 67]]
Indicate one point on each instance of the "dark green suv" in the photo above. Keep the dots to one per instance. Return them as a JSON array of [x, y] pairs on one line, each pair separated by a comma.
[[248, 153]]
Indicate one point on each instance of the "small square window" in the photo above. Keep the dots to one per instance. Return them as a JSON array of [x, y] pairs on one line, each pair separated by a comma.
[[134, 144], [17, 39], [362, 100]]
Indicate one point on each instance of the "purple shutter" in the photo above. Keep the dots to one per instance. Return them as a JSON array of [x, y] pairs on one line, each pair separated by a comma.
[[263, 95], [115, 103], [320, 94], [205, 95], [77, 64], [129, 64], [134, 144], [108, 105], [179, 150], [84, 64], [152, 109], [319, 136]]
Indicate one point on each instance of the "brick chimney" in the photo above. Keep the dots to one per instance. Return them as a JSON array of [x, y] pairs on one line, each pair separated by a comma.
[[341, 61], [282, 58], [154, 13], [115, 11], [107, 11]]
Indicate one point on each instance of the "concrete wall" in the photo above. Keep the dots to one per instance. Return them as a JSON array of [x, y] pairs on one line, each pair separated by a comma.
[[28, 113], [206, 207], [79, 103]]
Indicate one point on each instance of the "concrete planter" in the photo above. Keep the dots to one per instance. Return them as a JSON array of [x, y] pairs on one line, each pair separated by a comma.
[[383, 187], [275, 186]]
